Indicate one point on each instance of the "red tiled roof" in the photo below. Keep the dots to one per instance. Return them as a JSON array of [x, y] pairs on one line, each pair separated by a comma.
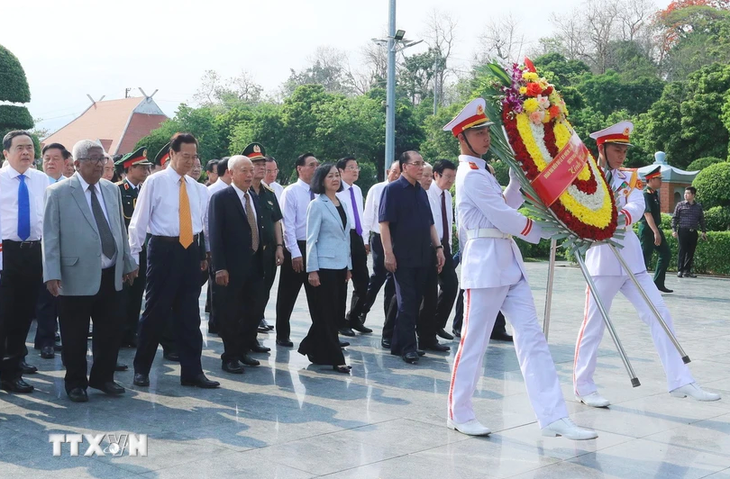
[[117, 124]]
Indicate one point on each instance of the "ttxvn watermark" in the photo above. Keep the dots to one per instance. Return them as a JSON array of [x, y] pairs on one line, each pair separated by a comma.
[[100, 444]]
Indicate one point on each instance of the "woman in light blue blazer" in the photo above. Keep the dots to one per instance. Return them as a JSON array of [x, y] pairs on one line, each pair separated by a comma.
[[329, 266]]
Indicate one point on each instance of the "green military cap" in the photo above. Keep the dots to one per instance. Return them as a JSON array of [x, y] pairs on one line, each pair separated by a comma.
[[163, 156], [137, 157], [255, 152]]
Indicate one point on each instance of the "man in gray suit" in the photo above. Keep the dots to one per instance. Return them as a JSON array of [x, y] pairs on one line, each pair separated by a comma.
[[85, 259]]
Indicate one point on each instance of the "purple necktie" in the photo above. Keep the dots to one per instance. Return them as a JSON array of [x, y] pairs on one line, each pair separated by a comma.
[[358, 225]]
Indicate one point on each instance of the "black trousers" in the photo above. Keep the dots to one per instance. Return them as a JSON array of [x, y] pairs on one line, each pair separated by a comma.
[[322, 345], [290, 283], [436, 306], [239, 311], [500, 325], [46, 316], [410, 284], [173, 288], [133, 301], [269, 278], [360, 277], [104, 309], [648, 247], [687, 245], [22, 277], [378, 278]]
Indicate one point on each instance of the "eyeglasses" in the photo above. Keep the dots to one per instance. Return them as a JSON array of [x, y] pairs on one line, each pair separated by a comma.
[[353, 168], [417, 164], [95, 159]]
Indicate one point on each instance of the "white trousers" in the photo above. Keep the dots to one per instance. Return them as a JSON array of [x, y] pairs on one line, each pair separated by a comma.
[[481, 306], [591, 332]]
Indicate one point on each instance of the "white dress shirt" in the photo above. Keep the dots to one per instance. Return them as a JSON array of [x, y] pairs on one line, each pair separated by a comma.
[[217, 186], [344, 197], [434, 198], [37, 182], [294, 202], [240, 194], [105, 262], [370, 221], [158, 208], [278, 190]]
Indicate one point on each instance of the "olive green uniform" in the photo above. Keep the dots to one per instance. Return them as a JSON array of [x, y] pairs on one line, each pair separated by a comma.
[[269, 213], [646, 236]]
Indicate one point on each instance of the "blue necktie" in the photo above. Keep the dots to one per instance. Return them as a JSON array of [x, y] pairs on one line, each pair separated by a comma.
[[23, 210]]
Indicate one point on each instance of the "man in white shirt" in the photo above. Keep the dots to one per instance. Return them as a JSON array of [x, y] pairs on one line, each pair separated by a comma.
[[22, 191], [427, 177], [171, 208], [437, 304], [294, 203], [371, 229], [351, 198], [272, 170]]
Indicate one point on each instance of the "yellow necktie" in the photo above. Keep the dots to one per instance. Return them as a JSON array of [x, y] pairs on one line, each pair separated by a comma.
[[186, 220]]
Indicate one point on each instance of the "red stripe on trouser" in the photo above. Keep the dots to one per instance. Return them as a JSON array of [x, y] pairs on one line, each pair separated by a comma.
[[580, 337], [464, 331]]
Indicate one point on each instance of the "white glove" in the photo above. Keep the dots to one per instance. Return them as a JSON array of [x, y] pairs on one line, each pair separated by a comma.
[[514, 176]]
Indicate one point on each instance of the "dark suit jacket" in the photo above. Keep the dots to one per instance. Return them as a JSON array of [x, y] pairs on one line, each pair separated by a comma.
[[230, 236]]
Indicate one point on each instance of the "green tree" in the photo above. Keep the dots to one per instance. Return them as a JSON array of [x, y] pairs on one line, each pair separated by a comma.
[[702, 163], [713, 185], [14, 90]]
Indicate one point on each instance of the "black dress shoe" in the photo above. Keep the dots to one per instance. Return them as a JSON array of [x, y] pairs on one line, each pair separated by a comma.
[[141, 379], [249, 361], [27, 368], [259, 348], [171, 356], [456, 332], [410, 357], [200, 381], [664, 289], [212, 328], [342, 369], [344, 344], [680, 274], [58, 347], [420, 352], [16, 386], [444, 335], [385, 343], [233, 366], [690, 275], [359, 327], [262, 327], [347, 332], [47, 352], [285, 342], [501, 336], [434, 346], [110, 387], [121, 367], [78, 395]]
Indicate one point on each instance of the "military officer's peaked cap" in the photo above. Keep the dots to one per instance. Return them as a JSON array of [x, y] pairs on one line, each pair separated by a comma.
[[137, 157], [255, 152], [473, 116], [163, 155], [655, 173], [618, 133]]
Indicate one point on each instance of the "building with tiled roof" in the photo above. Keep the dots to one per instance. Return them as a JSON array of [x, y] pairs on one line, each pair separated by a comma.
[[116, 124]]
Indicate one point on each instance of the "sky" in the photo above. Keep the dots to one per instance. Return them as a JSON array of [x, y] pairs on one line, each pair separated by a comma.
[[72, 48]]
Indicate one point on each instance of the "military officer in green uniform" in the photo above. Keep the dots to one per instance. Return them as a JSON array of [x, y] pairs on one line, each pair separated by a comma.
[[136, 168], [651, 236], [272, 237]]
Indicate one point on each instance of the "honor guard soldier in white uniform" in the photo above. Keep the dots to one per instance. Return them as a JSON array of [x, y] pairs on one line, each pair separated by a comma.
[[494, 279], [610, 278]]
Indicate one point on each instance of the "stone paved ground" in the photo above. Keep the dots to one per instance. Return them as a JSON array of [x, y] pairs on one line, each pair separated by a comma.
[[290, 419]]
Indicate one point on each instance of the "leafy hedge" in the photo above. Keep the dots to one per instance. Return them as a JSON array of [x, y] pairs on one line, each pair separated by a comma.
[[712, 185], [702, 163], [15, 118], [718, 218], [12, 78]]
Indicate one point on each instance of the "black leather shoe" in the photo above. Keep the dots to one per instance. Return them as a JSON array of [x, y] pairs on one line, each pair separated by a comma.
[[444, 335], [385, 343], [360, 328], [47, 352], [501, 336], [233, 366], [680, 274], [200, 381], [249, 361], [285, 342], [141, 379], [212, 328], [410, 357], [27, 368], [690, 275], [344, 344], [110, 387], [456, 333], [434, 346], [347, 332], [121, 367], [78, 395], [259, 348], [171, 356], [420, 352], [16, 386], [664, 289], [58, 347], [263, 326]]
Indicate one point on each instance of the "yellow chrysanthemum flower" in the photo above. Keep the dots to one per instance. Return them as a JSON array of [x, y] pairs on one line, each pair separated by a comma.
[[531, 105]]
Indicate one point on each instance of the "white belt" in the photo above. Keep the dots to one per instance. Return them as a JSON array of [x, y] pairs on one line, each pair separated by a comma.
[[486, 233]]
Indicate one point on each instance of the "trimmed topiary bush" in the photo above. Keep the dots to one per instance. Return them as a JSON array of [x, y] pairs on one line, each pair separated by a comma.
[[702, 163], [718, 218], [713, 185]]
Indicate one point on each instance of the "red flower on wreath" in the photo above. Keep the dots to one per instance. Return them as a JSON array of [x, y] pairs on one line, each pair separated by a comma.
[[534, 89]]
